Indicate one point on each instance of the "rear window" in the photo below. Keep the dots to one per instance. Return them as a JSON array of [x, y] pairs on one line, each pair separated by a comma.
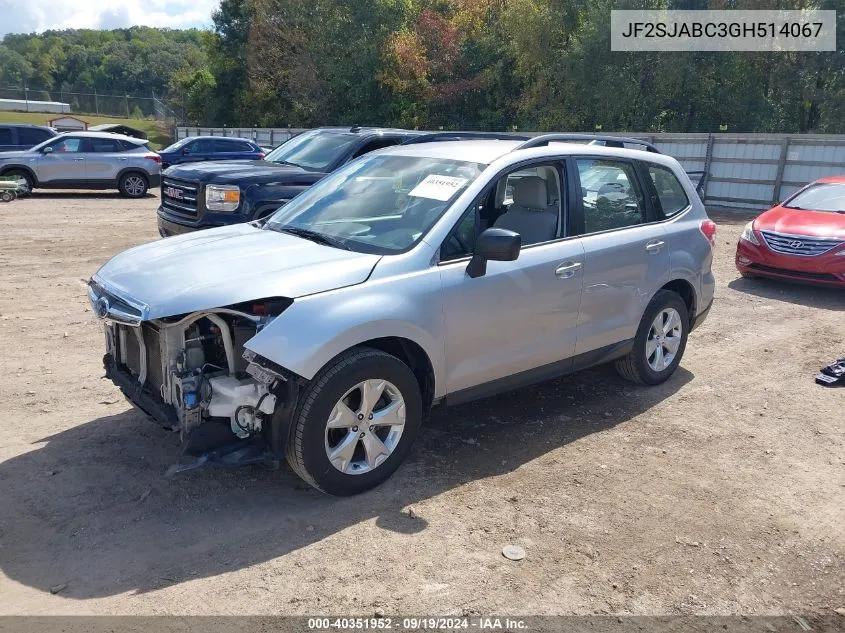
[[670, 192], [824, 196]]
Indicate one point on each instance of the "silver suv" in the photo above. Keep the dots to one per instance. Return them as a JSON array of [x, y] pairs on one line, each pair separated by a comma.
[[413, 276], [86, 160]]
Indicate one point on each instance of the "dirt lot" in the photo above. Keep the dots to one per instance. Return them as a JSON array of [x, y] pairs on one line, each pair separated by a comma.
[[720, 492]]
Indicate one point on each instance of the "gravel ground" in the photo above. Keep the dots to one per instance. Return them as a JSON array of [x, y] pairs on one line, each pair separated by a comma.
[[719, 492]]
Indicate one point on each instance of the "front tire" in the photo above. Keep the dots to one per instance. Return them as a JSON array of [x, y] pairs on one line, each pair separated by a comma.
[[356, 423], [27, 188], [660, 341], [133, 185]]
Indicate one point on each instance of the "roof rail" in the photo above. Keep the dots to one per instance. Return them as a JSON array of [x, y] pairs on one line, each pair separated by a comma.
[[595, 139], [464, 136]]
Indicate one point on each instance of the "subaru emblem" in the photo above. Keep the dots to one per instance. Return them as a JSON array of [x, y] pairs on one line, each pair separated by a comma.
[[101, 308]]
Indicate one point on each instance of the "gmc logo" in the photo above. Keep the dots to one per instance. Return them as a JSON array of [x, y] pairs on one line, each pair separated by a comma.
[[173, 192]]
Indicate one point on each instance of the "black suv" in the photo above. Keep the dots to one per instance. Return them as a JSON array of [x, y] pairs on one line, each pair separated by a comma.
[[204, 195], [16, 137]]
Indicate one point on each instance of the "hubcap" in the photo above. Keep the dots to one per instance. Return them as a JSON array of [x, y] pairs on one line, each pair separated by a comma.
[[134, 185], [365, 426], [664, 339]]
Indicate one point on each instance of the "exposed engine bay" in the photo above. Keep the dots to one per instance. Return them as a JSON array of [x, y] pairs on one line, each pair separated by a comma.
[[192, 374]]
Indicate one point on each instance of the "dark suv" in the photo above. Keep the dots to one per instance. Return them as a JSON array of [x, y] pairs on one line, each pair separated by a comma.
[[15, 137], [202, 148], [208, 194]]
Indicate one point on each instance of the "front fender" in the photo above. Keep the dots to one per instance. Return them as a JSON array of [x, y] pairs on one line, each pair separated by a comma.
[[316, 328]]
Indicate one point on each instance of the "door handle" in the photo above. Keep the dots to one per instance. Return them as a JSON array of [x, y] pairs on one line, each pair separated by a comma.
[[654, 246], [567, 269], [122, 159], [78, 159]]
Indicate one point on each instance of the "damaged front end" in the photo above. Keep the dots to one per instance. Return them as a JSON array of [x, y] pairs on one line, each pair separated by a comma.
[[192, 374]]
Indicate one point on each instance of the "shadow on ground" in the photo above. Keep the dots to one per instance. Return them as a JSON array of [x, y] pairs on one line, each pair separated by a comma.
[[89, 507], [818, 297], [41, 194]]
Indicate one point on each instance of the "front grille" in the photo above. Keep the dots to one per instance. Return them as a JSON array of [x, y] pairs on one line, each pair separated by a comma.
[[795, 273], [798, 245], [180, 196]]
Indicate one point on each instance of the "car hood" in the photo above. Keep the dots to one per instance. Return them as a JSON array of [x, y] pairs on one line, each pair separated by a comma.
[[799, 222], [228, 265], [242, 171]]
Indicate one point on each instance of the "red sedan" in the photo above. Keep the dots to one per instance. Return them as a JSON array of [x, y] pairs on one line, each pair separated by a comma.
[[802, 239]]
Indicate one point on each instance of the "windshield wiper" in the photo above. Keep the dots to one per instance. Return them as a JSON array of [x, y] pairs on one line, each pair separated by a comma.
[[314, 236], [287, 162]]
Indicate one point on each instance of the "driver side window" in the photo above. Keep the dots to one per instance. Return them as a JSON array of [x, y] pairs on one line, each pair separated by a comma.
[[526, 201], [68, 145]]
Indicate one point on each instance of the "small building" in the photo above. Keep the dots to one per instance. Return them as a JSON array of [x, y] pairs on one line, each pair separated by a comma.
[[119, 128], [68, 124], [25, 105]]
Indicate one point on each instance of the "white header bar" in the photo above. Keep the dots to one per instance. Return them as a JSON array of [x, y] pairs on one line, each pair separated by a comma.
[[766, 31]]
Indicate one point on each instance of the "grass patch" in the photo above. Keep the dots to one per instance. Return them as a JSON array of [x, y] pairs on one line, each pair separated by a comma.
[[157, 131]]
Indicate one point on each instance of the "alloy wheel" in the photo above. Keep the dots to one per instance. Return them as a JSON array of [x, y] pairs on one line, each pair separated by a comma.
[[664, 339], [365, 426], [134, 186]]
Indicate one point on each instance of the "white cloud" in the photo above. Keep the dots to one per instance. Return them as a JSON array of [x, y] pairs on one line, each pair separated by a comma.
[[26, 16]]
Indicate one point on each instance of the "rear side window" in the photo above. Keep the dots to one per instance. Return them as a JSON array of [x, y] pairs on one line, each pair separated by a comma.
[[611, 194], [670, 193], [5, 136], [231, 145], [104, 145], [28, 136], [373, 145]]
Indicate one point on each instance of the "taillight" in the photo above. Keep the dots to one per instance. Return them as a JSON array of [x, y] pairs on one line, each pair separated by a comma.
[[153, 157], [261, 155], [708, 229]]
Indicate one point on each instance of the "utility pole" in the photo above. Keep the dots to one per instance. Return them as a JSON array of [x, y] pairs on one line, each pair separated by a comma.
[[96, 101]]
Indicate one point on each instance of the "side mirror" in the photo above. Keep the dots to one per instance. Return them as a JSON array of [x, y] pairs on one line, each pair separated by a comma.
[[498, 245], [186, 150], [47, 150]]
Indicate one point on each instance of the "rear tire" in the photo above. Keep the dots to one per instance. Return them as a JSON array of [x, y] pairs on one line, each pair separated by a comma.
[[660, 341], [22, 175], [6, 196], [133, 184], [341, 443]]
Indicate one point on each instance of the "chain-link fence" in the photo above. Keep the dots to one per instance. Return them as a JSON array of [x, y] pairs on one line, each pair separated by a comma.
[[95, 103]]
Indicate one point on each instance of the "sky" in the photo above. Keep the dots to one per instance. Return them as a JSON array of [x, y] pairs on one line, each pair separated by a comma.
[[26, 16]]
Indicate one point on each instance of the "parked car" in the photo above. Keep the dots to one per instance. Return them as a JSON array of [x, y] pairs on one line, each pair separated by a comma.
[[16, 137], [206, 195], [801, 239], [202, 148], [402, 281], [86, 160]]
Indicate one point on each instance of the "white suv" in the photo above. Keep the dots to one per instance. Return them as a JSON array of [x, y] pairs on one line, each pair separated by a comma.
[[417, 275], [86, 160]]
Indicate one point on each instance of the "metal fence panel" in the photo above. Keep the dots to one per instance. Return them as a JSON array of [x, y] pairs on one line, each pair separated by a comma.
[[749, 171]]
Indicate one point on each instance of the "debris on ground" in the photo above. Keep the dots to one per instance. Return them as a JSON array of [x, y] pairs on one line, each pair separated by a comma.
[[513, 552]]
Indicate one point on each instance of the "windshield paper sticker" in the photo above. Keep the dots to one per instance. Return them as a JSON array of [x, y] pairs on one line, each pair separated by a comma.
[[438, 187]]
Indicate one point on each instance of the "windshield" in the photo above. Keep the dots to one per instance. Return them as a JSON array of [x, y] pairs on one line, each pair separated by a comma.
[[176, 145], [821, 197], [315, 150], [378, 204]]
